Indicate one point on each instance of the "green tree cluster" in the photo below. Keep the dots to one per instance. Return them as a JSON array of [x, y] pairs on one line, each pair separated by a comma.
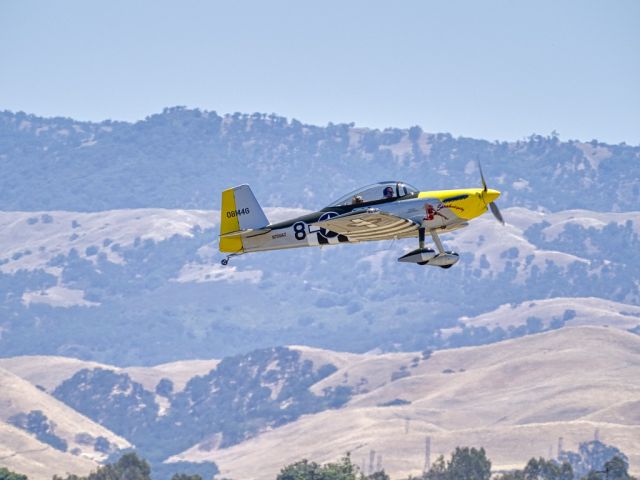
[[593, 456], [341, 470], [614, 469], [466, 463], [37, 423], [128, 467], [541, 469], [6, 474]]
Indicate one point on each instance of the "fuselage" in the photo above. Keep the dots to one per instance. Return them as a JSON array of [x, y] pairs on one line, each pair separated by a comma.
[[438, 211]]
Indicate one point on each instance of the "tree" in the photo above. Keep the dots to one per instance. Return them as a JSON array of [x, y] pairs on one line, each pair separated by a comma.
[[164, 387], [592, 457], [184, 476], [515, 475], [596, 454], [6, 474], [614, 469], [342, 470], [542, 469], [37, 423], [302, 470], [438, 470], [102, 445], [465, 464], [469, 464], [415, 133], [381, 475], [129, 467], [566, 472]]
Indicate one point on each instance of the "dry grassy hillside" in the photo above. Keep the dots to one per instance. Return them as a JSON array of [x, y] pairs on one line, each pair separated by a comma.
[[178, 372], [22, 453], [321, 357], [19, 396], [515, 398], [584, 311], [44, 370], [51, 371]]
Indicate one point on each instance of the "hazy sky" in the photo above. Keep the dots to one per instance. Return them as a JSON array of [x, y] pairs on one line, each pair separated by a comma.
[[486, 69]]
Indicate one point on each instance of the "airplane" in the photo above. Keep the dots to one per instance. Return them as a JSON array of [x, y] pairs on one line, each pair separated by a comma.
[[382, 211]]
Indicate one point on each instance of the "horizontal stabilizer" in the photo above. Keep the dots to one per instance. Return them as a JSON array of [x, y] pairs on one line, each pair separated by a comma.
[[249, 232]]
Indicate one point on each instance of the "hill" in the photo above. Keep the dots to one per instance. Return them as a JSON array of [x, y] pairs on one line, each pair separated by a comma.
[[97, 286], [45, 372], [569, 311], [108, 236], [21, 452], [48, 372], [515, 398], [38, 432], [182, 158]]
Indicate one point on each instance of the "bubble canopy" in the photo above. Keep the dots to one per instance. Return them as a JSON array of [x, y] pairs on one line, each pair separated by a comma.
[[376, 192]]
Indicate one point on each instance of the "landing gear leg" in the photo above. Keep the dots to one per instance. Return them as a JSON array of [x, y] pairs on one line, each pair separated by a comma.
[[428, 256], [436, 240], [421, 244]]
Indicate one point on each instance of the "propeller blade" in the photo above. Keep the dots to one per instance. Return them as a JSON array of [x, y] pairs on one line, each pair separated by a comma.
[[496, 212], [484, 184], [492, 206]]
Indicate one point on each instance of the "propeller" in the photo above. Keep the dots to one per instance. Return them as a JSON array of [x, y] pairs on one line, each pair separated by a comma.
[[492, 206], [496, 212]]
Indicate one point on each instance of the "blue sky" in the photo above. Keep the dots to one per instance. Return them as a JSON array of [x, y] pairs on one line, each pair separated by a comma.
[[493, 69]]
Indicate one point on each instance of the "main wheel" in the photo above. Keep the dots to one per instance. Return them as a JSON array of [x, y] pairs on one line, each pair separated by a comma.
[[445, 266]]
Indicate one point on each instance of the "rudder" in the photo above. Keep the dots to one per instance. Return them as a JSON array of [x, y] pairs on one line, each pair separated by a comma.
[[240, 211]]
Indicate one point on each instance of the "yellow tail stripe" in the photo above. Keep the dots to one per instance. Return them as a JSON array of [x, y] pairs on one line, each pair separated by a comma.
[[229, 223]]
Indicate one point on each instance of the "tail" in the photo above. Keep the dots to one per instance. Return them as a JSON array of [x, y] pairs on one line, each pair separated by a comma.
[[240, 213]]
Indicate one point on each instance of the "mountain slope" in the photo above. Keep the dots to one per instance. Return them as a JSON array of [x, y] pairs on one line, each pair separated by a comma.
[[22, 453], [70, 279], [181, 158], [571, 311], [50, 371], [515, 398], [56, 423], [46, 371]]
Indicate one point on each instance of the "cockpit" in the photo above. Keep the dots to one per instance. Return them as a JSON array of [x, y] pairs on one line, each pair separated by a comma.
[[377, 192]]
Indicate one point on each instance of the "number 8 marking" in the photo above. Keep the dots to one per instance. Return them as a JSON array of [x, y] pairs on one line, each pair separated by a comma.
[[299, 231]]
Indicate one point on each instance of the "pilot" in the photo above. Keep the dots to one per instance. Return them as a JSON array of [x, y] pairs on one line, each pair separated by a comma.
[[387, 192], [356, 200]]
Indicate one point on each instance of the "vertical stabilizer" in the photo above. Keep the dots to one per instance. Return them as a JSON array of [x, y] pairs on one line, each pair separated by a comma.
[[240, 211]]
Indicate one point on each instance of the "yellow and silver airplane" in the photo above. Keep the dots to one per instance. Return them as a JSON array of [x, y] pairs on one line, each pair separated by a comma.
[[382, 211]]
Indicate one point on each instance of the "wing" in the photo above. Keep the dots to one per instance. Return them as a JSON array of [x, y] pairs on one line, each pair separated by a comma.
[[369, 224]]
